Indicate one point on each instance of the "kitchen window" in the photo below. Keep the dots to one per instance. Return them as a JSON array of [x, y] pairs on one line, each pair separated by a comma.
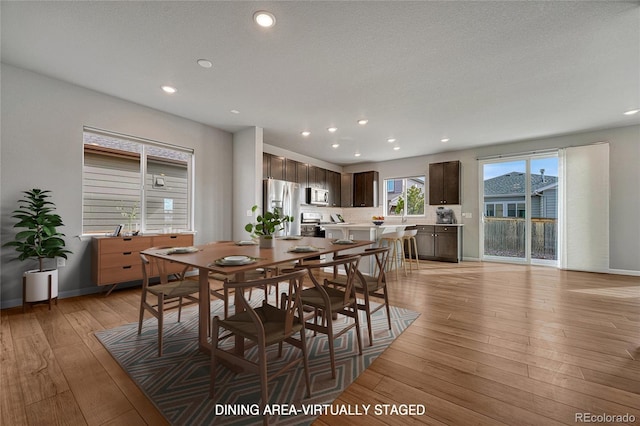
[[404, 196], [142, 184]]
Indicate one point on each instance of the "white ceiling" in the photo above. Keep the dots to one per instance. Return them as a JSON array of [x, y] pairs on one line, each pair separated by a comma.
[[477, 72]]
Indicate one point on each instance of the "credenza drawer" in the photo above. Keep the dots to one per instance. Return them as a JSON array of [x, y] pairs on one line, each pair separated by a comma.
[[173, 240], [118, 274], [125, 244], [110, 260]]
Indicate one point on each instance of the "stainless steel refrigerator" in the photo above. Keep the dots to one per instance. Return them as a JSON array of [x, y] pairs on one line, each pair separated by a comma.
[[286, 196]]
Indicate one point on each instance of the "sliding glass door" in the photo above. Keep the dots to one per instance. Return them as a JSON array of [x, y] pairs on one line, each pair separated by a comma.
[[520, 209]]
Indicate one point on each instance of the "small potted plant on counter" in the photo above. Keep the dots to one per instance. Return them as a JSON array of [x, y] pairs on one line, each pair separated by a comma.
[[39, 241], [266, 225]]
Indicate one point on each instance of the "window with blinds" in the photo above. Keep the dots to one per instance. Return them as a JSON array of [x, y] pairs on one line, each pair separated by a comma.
[[143, 185]]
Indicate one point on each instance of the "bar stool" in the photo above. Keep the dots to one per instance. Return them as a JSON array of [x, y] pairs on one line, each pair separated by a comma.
[[412, 244], [393, 240]]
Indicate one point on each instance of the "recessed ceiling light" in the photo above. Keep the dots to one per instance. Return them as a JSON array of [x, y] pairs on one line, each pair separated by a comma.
[[205, 63], [234, 111], [305, 133], [363, 121], [332, 129], [444, 140], [391, 140], [357, 154], [632, 111], [395, 148], [169, 89], [335, 145], [264, 19]]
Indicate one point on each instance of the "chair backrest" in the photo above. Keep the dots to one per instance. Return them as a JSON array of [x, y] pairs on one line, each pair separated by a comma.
[[156, 267], [393, 234], [290, 303], [381, 254], [410, 232], [348, 262]]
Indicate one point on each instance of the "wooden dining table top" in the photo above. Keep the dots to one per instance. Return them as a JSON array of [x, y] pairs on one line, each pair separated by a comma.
[[207, 254]]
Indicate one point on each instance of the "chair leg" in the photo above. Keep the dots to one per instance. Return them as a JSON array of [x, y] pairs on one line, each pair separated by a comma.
[[160, 322], [262, 359], [214, 345], [179, 308], [305, 361], [143, 299], [415, 245], [367, 311], [386, 304], [330, 338], [357, 320]]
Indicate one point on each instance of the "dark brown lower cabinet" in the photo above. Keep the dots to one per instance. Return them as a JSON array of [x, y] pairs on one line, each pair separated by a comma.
[[439, 242]]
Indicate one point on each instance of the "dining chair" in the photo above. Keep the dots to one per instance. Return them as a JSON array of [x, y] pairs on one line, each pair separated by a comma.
[[370, 285], [330, 301], [172, 288], [264, 326]]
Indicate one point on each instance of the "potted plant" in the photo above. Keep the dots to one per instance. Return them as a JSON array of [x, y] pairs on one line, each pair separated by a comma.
[[267, 225], [39, 240]]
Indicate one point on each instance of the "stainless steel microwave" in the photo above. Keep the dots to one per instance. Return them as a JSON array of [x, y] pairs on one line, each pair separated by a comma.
[[317, 196]]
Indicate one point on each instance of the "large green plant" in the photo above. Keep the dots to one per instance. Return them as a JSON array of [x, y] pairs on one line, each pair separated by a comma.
[[267, 223], [39, 240]]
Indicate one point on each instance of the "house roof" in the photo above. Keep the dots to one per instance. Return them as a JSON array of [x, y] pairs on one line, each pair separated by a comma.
[[513, 183]]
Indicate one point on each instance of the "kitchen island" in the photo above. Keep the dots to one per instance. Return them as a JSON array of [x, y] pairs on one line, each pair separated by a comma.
[[361, 231]]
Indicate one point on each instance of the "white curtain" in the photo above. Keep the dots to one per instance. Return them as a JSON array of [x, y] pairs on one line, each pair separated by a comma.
[[584, 233]]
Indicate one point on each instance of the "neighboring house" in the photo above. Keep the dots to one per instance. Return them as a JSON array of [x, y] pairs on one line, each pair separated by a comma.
[[504, 196], [395, 191]]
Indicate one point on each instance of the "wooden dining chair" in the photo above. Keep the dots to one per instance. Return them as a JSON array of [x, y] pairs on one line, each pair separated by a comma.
[[171, 290], [370, 285], [330, 301], [265, 326]]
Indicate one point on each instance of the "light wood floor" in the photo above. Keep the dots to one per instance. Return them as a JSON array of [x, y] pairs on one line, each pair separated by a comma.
[[495, 344]]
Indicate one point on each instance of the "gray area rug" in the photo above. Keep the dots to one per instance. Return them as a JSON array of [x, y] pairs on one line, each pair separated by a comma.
[[178, 382]]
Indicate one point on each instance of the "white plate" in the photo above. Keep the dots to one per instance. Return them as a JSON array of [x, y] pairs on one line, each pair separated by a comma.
[[182, 250], [246, 243], [343, 242], [235, 260], [303, 249]]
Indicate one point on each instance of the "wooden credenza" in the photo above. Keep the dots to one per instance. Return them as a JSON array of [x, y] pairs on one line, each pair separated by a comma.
[[117, 259]]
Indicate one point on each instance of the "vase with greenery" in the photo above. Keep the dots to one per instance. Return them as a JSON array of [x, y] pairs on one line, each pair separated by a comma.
[[39, 239], [266, 225]]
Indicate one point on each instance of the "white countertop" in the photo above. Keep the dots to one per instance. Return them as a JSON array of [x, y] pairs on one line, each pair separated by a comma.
[[384, 225]]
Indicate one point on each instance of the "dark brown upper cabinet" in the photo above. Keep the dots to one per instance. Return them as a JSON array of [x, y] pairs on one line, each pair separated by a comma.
[[365, 189], [317, 177], [444, 183], [333, 185], [273, 166]]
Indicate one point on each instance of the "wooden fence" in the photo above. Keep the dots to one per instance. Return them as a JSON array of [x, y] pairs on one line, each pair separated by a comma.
[[506, 237]]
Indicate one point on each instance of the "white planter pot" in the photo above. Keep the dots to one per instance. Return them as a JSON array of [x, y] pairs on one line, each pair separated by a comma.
[[266, 242], [37, 285]]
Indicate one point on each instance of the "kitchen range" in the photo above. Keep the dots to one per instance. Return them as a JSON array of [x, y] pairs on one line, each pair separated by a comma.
[[310, 225]]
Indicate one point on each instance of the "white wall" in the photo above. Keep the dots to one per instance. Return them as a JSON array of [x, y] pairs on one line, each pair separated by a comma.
[[624, 186], [42, 122], [247, 178]]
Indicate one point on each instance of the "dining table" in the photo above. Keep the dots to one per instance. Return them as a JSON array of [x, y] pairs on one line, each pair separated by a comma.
[[210, 257]]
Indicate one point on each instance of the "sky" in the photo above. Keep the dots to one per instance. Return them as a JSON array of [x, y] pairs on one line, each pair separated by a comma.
[[550, 166]]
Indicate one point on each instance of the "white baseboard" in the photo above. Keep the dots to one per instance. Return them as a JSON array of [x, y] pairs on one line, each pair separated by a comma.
[[624, 272]]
